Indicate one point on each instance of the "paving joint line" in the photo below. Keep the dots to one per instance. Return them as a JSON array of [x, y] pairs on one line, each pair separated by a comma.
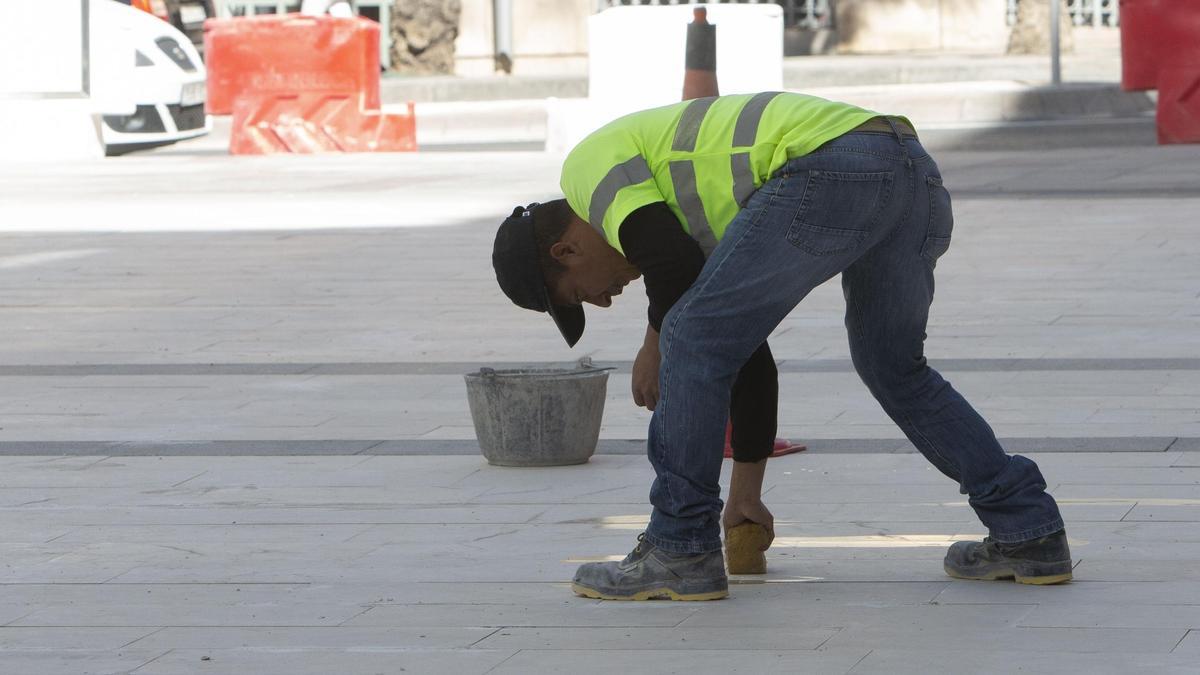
[[152, 660], [1126, 514], [401, 447], [486, 637], [189, 479], [457, 368], [351, 618], [856, 663], [837, 630], [154, 632], [506, 659]]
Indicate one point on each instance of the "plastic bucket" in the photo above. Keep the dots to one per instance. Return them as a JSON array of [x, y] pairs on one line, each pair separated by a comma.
[[537, 416]]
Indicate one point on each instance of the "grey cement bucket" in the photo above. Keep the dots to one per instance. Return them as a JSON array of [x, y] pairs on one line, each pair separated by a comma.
[[537, 416]]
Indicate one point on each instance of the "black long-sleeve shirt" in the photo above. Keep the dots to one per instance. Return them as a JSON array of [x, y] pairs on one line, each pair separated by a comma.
[[670, 260]]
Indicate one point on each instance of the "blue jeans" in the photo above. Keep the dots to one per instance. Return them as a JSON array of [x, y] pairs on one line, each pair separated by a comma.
[[872, 208]]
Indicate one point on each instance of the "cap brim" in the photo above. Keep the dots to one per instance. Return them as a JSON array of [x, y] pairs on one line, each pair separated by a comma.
[[569, 319]]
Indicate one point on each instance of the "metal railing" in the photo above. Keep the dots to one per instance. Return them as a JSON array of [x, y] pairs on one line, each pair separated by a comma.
[[807, 14], [1093, 13], [816, 14], [228, 8]]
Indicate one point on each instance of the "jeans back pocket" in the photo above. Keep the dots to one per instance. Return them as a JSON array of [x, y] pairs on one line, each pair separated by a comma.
[[838, 210], [941, 221]]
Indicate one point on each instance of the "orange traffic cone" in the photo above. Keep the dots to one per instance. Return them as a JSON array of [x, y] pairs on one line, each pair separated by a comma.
[[782, 445], [700, 57]]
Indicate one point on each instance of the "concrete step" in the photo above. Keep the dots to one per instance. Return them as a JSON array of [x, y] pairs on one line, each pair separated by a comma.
[[799, 73], [950, 115]]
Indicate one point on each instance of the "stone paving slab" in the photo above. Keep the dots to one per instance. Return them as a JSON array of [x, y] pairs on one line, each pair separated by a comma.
[[623, 639], [110, 640], [296, 315], [1189, 647], [282, 638], [311, 582], [682, 661], [1102, 616], [913, 636], [1016, 660], [301, 661], [76, 661]]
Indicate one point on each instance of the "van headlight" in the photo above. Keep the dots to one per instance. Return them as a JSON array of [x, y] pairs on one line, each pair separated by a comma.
[[174, 52]]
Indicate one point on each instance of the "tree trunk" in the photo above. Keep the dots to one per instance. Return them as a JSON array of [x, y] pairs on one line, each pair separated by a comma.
[[423, 34], [1031, 33]]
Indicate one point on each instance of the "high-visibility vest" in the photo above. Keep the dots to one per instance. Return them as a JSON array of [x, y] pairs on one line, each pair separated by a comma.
[[703, 157]]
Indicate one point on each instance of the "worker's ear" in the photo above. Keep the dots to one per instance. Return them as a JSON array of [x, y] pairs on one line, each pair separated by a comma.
[[566, 252]]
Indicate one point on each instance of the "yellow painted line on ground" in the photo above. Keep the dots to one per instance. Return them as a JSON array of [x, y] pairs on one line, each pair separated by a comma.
[[874, 541], [595, 558], [752, 581], [1101, 501]]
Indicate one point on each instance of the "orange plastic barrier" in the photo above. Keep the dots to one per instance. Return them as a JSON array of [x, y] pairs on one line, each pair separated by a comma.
[[317, 122], [1156, 34], [1178, 115], [1160, 49], [291, 53]]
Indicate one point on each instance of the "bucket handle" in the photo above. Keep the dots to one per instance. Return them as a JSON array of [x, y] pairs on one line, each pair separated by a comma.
[[585, 363]]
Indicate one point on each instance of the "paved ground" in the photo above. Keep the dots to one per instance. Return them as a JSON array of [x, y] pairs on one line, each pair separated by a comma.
[[171, 321]]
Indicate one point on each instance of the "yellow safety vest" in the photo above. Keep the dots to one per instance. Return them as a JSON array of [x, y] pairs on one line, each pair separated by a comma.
[[703, 157]]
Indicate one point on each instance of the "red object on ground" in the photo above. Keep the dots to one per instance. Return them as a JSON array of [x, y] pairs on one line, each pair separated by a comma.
[[1178, 115], [782, 445], [1157, 34], [317, 122], [302, 84], [291, 54]]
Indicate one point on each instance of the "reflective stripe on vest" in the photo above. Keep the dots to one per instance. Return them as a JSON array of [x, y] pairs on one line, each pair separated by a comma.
[[635, 170], [743, 177], [683, 174], [683, 178], [688, 129], [746, 129], [630, 172], [745, 132]]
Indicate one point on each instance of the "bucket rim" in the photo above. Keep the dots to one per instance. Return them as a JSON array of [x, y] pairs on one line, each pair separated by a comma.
[[535, 373]]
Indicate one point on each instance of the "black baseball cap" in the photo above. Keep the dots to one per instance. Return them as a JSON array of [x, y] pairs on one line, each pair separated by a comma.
[[519, 273]]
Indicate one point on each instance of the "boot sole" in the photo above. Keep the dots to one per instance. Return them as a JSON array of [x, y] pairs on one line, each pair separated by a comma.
[[1008, 573], [651, 594]]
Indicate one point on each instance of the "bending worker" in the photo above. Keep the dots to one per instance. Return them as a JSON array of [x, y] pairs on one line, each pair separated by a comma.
[[777, 193]]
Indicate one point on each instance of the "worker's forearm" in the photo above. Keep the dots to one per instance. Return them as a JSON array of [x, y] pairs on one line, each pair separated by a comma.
[[651, 338], [745, 484]]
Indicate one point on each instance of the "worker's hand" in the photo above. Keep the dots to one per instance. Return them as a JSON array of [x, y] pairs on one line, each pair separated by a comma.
[[645, 376], [752, 510]]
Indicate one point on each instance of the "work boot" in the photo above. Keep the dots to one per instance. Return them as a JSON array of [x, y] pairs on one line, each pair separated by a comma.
[[1037, 561], [650, 573]]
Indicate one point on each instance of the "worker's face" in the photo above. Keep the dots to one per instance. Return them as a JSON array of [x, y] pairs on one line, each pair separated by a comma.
[[594, 271]]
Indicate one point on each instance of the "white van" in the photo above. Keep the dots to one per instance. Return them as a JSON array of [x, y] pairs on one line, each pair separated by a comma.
[[150, 80]]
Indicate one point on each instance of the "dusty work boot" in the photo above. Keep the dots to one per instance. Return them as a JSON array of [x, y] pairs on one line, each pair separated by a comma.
[[1038, 561], [650, 573]]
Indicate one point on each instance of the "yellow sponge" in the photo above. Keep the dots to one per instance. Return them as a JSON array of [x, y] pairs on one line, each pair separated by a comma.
[[743, 549]]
